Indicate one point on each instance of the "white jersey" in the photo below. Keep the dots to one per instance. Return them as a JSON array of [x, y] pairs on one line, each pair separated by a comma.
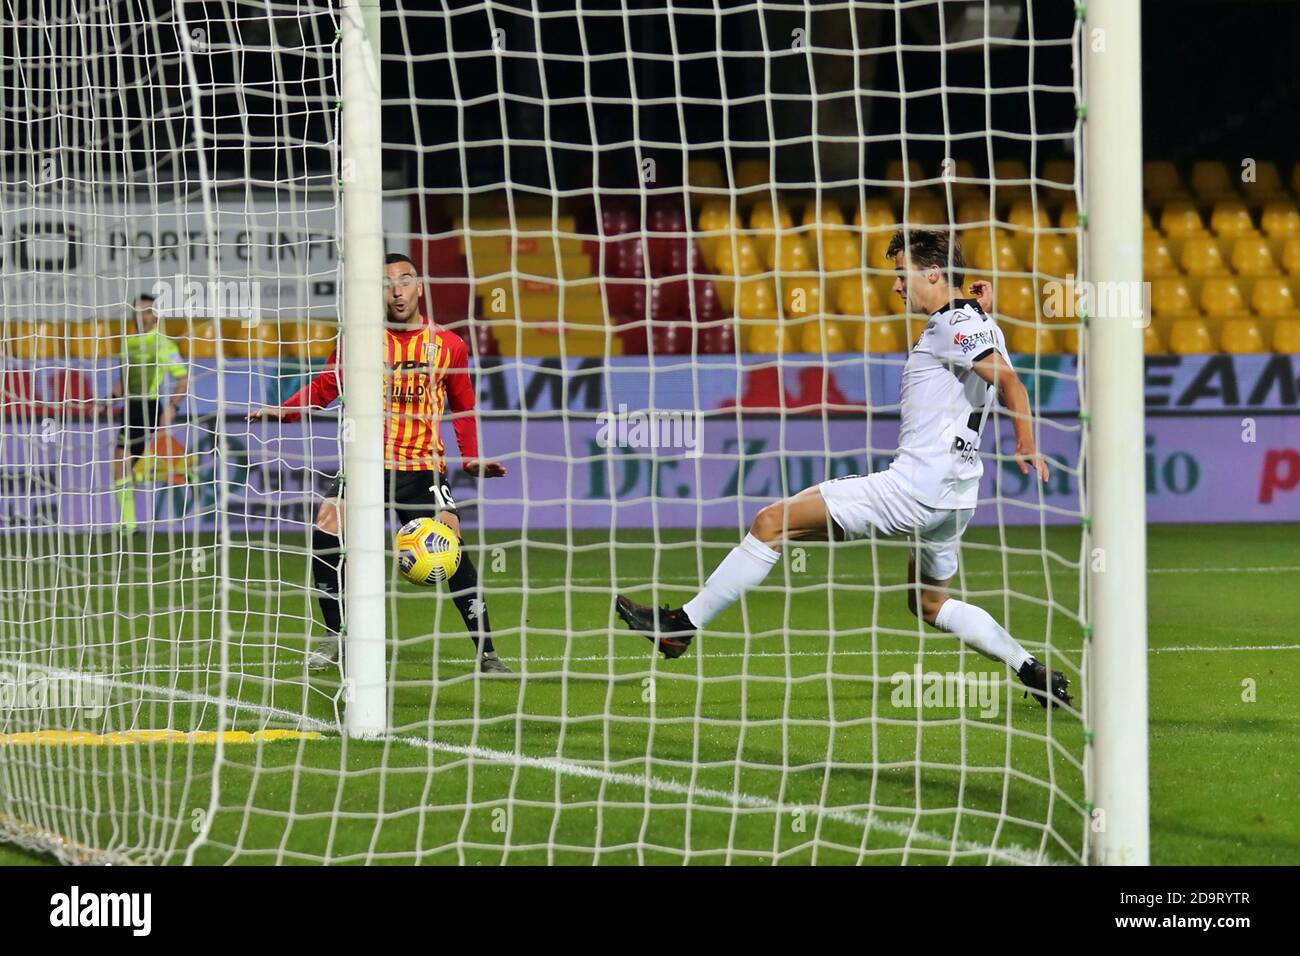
[[943, 404]]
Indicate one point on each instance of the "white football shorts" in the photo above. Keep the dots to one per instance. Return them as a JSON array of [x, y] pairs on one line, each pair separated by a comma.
[[880, 503]]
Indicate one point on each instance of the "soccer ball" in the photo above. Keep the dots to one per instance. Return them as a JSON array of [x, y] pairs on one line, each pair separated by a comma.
[[427, 551]]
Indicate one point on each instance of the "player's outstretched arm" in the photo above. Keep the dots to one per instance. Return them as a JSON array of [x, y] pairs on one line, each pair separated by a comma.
[[460, 397], [318, 393], [995, 370]]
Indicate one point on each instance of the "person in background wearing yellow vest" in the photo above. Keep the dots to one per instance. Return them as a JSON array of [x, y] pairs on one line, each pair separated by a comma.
[[147, 357]]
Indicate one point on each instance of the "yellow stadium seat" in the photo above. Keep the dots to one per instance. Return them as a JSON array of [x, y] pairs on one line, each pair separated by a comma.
[[1267, 186], [841, 253], [925, 211], [1221, 297], [994, 254], [1059, 173], [1180, 219], [1157, 260], [875, 214], [880, 336], [34, 340], [307, 340], [790, 253], [1280, 220], [856, 296], [1251, 257], [1272, 299], [822, 336], [1201, 257], [1148, 224], [1286, 336], [90, 340], [1291, 256], [1160, 178], [769, 338], [706, 174], [824, 216], [1152, 343], [1190, 337], [1242, 337], [1069, 216], [258, 341], [752, 172], [756, 299], [1015, 297], [802, 297], [1034, 340], [1172, 298], [896, 176], [975, 210], [1023, 215], [735, 256], [764, 217], [1210, 180], [1054, 256], [1231, 219], [201, 340]]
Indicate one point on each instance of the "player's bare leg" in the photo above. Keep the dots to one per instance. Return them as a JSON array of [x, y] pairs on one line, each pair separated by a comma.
[[928, 599], [803, 517], [327, 575], [469, 601]]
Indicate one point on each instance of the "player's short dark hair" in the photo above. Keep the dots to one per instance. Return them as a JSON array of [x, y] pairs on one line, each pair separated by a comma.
[[931, 247], [146, 297], [393, 258]]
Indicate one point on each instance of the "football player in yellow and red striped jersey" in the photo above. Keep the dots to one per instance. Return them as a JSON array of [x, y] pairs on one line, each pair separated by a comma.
[[426, 376]]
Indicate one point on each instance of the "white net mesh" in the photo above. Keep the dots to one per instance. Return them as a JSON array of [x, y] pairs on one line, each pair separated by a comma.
[[662, 233]]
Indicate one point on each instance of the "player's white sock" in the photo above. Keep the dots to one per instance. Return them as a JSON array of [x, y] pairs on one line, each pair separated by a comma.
[[744, 568], [976, 627]]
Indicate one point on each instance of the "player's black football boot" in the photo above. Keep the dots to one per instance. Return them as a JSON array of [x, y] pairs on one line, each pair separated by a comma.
[[1037, 677], [666, 628]]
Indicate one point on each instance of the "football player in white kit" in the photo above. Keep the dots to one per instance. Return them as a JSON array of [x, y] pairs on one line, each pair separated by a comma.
[[953, 374]]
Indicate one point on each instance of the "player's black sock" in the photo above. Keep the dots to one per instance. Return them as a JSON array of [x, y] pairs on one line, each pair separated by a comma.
[[469, 601], [327, 574]]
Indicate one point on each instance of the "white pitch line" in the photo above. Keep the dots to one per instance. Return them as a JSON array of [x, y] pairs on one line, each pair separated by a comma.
[[1012, 853]]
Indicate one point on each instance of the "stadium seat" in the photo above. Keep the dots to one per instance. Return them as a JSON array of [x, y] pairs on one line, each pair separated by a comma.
[[34, 340], [1157, 260], [1190, 337], [976, 209], [874, 214], [717, 221], [1160, 179], [705, 174], [1172, 298], [665, 215], [822, 335], [90, 340], [879, 336], [1251, 257], [1201, 257], [668, 300], [1059, 174], [801, 297], [1267, 186], [717, 338], [788, 252], [1069, 218], [925, 211], [1152, 342], [306, 340], [1016, 298], [1272, 299], [734, 257], [769, 338], [766, 218], [824, 215], [1180, 219], [1291, 256], [702, 302], [752, 172], [1221, 298], [201, 340], [756, 299], [1280, 220], [1054, 255], [1286, 336], [1023, 215], [1210, 180], [1033, 340], [858, 297], [1242, 337], [841, 253], [1230, 219], [994, 254], [896, 176]]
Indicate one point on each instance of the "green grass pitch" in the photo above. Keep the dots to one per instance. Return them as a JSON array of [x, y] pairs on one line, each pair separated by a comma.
[[600, 752]]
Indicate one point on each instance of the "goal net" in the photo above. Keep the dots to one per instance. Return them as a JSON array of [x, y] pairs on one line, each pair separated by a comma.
[[661, 230]]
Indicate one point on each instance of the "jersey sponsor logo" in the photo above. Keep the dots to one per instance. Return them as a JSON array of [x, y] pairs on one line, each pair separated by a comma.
[[407, 365], [969, 342], [966, 451]]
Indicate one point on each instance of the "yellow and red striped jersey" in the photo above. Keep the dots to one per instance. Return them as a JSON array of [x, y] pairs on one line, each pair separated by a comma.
[[426, 373]]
